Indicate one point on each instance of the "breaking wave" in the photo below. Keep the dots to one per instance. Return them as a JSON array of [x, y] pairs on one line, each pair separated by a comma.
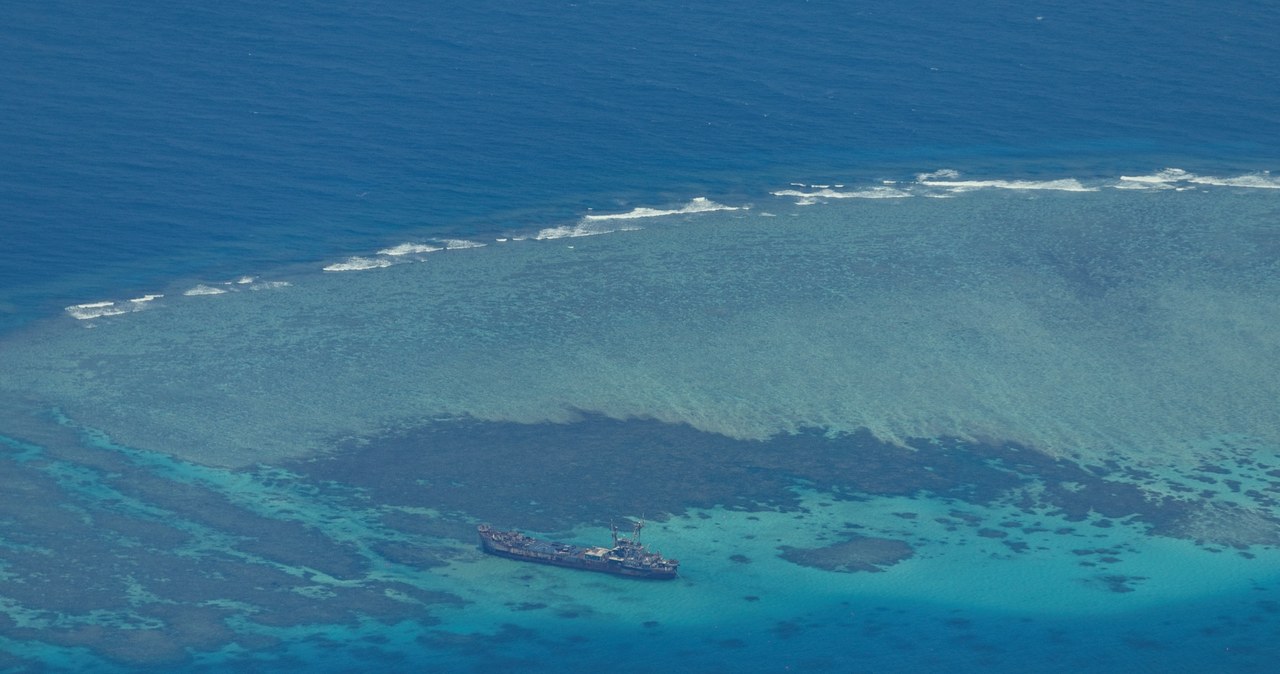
[[941, 183], [93, 310], [356, 263], [203, 289], [599, 223], [696, 205], [828, 193], [1175, 178], [409, 249]]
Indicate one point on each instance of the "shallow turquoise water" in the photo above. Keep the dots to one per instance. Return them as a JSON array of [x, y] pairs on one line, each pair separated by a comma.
[[1053, 396]]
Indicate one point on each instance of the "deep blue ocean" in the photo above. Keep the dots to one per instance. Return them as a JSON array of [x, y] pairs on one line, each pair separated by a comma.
[[930, 336]]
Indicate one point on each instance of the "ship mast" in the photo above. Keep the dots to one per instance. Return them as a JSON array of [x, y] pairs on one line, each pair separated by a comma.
[[635, 533]]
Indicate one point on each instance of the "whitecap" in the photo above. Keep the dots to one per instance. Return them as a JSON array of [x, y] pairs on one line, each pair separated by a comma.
[[940, 174], [1126, 184], [359, 264], [950, 179], [203, 289], [245, 280], [270, 285], [826, 193], [90, 310], [457, 244], [696, 205], [1167, 179], [581, 228], [1062, 184], [1169, 175], [1172, 177], [1263, 180], [409, 249], [593, 225]]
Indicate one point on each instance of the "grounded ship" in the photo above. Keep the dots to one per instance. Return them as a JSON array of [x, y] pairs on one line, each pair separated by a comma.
[[627, 557]]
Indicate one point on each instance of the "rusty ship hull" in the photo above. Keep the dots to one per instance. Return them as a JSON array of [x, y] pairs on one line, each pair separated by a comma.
[[626, 558]]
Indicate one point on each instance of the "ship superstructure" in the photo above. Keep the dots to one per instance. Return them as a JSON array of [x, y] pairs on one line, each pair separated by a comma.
[[627, 557]]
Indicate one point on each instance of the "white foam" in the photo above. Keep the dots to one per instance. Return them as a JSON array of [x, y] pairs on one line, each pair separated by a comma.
[[595, 224], [1262, 180], [592, 225], [940, 174], [245, 280], [1170, 178], [90, 310], [1062, 184], [696, 205], [1126, 184], [270, 285], [948, 179], [458, 244], [581, 228], [359, 264], [409, 249], [1169, 175], [827, 193], [203, 289], [1167, 179]]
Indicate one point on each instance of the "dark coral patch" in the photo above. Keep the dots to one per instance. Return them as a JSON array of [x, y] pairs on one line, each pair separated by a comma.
[[1120, 584], [863, 553], [504, 472], [1016, 546]]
